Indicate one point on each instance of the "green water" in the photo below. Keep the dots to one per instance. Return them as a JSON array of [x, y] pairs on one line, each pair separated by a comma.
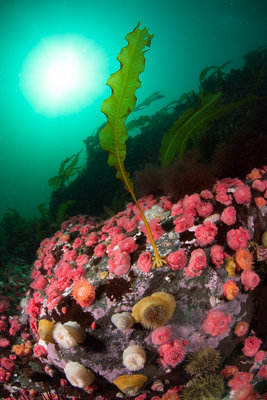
[[189, 35]]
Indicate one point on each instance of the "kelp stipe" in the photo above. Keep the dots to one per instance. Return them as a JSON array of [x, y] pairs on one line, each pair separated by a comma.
[[117, 108]]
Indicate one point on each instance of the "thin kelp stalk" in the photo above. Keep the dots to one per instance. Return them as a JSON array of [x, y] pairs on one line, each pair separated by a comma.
[[158, 261]]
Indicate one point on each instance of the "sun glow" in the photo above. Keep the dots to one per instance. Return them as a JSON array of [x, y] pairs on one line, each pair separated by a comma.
[[63, 74]]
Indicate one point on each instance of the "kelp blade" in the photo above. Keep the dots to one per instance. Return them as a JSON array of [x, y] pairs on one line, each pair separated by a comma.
[[122, 102], [175, 140], [196, 120]]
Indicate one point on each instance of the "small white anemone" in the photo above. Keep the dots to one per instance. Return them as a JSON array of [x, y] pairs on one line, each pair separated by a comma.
[[212, 218], [78, 375], [69, 334], [134, 357], [122, 320]]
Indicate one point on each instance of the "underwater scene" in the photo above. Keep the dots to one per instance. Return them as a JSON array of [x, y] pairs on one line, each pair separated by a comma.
[[133, 208]]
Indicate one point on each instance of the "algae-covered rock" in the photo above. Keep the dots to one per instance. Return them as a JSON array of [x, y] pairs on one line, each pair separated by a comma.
[[189, 292]]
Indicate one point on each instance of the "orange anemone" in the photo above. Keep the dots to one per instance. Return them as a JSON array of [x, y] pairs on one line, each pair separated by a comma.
[[241, 328], [231, 290], [244, 259], [83, 292]]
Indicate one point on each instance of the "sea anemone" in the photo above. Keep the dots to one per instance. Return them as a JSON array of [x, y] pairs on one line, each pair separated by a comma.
[[170, 395], [228, 371], [246, 392], [240, 379], [237, 238], [197, 263], [45, 330], [130, 384], [230, 266], [171, 353], [83, 292], [122, 321], [251, 346], [249, 280], [242, 194], [209, 387], [217, 255], [231, 290], [161, 335], [244, 259], [203, 361], [134, 358], [78, 375], [216, 323], [69, 334], [241, 328], [205, 233], [155, 310], [228, 215]]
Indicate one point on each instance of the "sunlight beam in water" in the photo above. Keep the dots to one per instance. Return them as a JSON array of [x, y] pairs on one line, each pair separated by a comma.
[[63, 74]]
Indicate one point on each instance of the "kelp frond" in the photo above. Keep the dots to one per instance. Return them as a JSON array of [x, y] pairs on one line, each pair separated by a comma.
[[119, 105]]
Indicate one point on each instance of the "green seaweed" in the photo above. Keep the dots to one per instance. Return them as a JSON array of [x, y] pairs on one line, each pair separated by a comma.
[[121, 103], [204, 73], [196, 121], [175, 140], [66, 170]]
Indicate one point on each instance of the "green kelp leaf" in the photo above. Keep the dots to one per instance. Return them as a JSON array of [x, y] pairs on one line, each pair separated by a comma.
[[196, 120], [123, 100], [117, 108], [175, 140]]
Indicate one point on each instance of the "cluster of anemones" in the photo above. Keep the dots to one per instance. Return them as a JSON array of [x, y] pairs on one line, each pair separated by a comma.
[[110, 240], [171, 351], [240, 383], [244, 262]]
